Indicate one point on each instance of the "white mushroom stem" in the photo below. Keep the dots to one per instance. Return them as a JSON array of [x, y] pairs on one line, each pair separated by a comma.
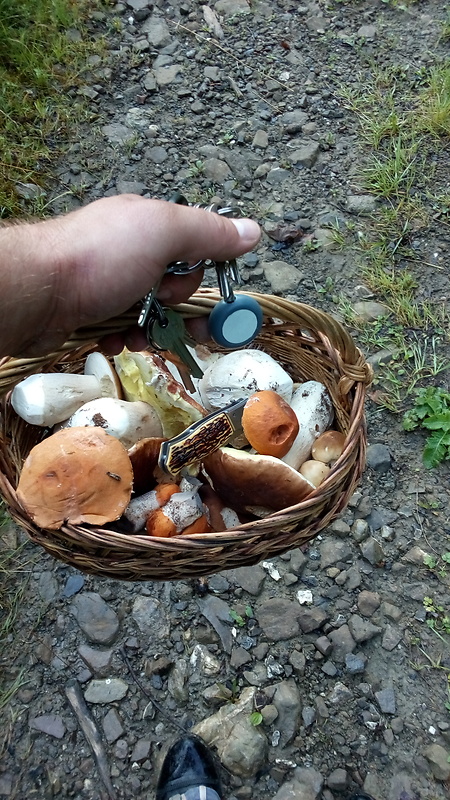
[[314, 409], [128, 422], [139, 509], [49, 398]]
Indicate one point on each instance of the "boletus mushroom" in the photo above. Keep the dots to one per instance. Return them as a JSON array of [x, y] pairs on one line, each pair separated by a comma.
[[76, 475], [244, 480], [269, 423], [328, 447]]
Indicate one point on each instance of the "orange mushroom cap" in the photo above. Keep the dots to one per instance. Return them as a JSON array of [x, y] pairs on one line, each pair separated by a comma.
[[80, 474], [269, 423]]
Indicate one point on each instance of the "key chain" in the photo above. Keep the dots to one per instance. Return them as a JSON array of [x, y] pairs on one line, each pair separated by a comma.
[[236, 319]]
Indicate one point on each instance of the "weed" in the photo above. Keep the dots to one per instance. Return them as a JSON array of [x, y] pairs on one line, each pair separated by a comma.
[[438, 565], [196, 169], [431, 410], [256, 718], [393, 173]]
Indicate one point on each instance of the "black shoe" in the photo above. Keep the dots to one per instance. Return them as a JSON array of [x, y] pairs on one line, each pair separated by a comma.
[[189, 764]]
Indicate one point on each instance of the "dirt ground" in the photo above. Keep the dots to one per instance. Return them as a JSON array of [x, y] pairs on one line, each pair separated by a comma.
[[251, 103]]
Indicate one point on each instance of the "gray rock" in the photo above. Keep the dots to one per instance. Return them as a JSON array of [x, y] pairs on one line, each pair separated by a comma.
[[203, 661], [330, 669], [98, 621], [324, 645], [369, 310], [337, 780], [212, 73], [386, 701], [343, 643], [130, 187], [177, 681], [278, 619], [260, 139], [108, 690], [368, 602], [392, 612], [311, 618], [438, 759], [372, 551], [231, 7], [157, 154], [157, 31], [298, 661], [138, 118], [361, 204], [150, 617], [141, 751], [150, 82], [362, 629], [241, 746], [340, 694], [367, 32], [217, 612], [98, 661], [278, 175], [297, 561], [216, 170], [270, 713], [391, 638], [305, 156], [333, 550], [308, 716], [250, 579], [47, 586], [293, 121], [239, 657], [353, 578], [166, 75], [355, 663], [116, 133], [73, 585], [51, 724], [283, 278], [310, 782], [287, 702], [29, 191], [112, 726], [379, 457]]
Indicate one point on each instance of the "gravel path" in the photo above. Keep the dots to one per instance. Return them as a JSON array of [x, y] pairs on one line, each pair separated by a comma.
[[241, 100]]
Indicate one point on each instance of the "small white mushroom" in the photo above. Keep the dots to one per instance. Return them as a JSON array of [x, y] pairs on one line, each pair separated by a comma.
[[314, 471], [241, 374], [314, 409], [128, 422], [328, 446], [49, 398]]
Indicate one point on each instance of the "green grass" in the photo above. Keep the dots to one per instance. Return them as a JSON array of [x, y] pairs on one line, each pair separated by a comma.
[[39, 62]]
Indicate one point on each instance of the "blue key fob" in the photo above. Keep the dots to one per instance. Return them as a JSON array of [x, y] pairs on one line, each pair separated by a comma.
[[235, 324]]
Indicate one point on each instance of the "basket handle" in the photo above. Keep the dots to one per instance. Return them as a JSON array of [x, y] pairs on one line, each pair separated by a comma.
[[351, 361]]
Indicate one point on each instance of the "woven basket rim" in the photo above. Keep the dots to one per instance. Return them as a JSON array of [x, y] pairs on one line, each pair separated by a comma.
[[286, 323]]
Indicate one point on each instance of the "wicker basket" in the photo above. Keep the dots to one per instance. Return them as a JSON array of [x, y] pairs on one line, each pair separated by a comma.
[[310, 345]]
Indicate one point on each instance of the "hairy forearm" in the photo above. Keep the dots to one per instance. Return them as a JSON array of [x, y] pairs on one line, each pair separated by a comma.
[[31, 284]]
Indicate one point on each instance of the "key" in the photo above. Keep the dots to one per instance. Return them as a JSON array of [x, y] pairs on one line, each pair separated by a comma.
[[169, 333], [148, 306]]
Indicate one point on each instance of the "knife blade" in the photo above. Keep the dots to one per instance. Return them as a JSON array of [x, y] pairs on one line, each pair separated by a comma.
[[201, 438]]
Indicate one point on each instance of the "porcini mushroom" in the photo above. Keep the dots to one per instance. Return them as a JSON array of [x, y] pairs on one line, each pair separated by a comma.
[[241, 374], [48, 398], [314, 409], [314, 471], [76, 475], [244, 480], [269, 423], [128, 422], [328, 447]]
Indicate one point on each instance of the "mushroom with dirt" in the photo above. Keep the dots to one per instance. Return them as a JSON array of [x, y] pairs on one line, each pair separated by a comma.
[[269, 423], [127, 421], [51, 397], [75, 476]]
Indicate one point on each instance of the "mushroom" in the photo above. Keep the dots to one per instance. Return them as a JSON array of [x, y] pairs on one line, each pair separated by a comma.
[[328, 446], [244, 480], [144, 460], [140, 508], [220, 516], [49, 398], [241, 374], [128, 422], [314, 471], [269, 423], [76, 475], [314, 409], [144, 376], [181, 511]]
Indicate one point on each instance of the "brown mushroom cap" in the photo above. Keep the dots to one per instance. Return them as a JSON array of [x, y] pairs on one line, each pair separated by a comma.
[[76, 475], [244, 480], [144, 460], [269, 423], [328, 446]]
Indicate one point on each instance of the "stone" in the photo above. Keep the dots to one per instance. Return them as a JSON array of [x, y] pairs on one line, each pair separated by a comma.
[[379, 457], [298, 661], [391, 638], [330, 669], [270, 713], [386, 701], [239, 657], [217, 612], [98, 661], [260, 140], [368, 603], [73, 585], [343, 643], [112, 726], [340, 694], [372, 551], [361, 204], [177, 681], [116, 133], [108, 690], [306, 155], [29, 191], [203, 661], [308, 716], [333, 550], [283, 278], [51, 724], [324, 645], [367, 32], [355, 663], [362, 629], [150, 618], [141, 751], [438, 759], [242, 747], [216, 170], [369, 310], [287, 702], [156, 154], [297, 561], [278, 175], [392, 612], [166, 75], [250, 579], [150, 82], [293, 121], [310, 782], [212, 73], [337, 780], [157, 31], [98, 621], [47, 586], [231, 7], [278, 619], [312, 618]]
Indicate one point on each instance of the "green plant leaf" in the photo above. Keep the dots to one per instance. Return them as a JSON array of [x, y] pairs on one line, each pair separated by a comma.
[[256, 718]]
